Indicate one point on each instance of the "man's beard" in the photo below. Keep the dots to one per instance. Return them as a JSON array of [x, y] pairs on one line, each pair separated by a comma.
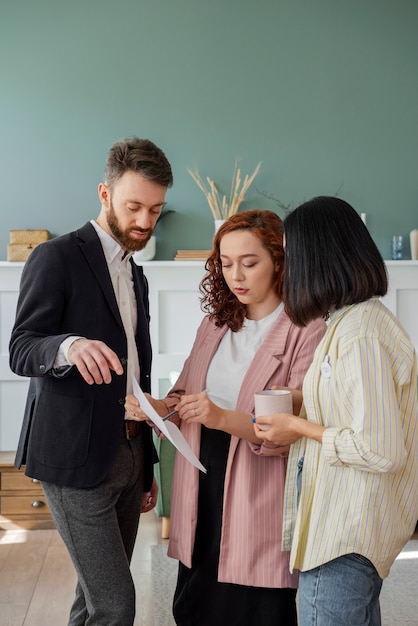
[[122, 236]]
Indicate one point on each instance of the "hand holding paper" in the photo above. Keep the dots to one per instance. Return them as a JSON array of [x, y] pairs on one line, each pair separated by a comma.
[[169, 429]]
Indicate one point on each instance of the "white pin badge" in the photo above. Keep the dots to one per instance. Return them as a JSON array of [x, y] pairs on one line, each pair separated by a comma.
[[326, 367]]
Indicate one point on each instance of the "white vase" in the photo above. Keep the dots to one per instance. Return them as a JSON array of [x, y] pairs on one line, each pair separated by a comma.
[[218, 224], [147, 253], [413, 235]]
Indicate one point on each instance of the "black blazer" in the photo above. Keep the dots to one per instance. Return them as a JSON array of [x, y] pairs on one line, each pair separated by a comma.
[[71, 430]]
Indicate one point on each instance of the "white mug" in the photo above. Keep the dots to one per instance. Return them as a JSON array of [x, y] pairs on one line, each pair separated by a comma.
[[270, 401]]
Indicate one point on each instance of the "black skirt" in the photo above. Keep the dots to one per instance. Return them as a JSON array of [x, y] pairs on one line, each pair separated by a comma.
[[199, 599]]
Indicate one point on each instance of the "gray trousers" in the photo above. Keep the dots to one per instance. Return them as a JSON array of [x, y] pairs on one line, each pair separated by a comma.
[[99, 526]]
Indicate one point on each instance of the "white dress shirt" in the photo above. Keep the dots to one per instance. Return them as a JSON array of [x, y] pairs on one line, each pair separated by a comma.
[[118, 262]]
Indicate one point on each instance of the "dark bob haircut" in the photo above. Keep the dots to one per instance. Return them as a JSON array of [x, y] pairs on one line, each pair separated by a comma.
[[217, 299], [331, 261]]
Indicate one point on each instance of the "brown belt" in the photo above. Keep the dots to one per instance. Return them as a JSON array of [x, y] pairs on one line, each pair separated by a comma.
[[131, 429]]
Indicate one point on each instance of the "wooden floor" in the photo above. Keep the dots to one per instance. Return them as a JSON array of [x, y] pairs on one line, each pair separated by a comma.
[[37, 579]]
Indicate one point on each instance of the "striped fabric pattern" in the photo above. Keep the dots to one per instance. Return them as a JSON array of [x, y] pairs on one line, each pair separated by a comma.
[[359, 488], [254, 482]]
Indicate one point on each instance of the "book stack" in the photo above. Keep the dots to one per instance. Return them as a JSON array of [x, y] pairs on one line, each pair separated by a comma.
[[192, 255]]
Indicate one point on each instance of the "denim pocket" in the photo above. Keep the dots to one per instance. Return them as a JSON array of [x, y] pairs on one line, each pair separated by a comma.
[[361, 559]]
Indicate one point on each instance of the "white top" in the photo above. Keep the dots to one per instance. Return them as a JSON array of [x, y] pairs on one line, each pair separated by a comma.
[[233, 357]]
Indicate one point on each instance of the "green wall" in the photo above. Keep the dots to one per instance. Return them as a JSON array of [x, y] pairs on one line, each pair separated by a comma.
[[324, 93]]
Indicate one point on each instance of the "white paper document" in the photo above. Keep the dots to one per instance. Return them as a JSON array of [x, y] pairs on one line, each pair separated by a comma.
[[170, 430]]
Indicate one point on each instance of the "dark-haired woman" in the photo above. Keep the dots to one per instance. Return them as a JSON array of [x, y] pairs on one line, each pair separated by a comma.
[[225, 526], [351, 499]]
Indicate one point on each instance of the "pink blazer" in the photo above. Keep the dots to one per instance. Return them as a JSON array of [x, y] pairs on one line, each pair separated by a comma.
[[250, 551]]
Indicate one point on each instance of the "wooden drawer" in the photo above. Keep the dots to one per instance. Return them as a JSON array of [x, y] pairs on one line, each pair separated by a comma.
[[24, 505], [17, 481], [22, 501]]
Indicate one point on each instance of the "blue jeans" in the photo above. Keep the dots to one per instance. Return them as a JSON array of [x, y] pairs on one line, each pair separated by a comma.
[[343, 592]]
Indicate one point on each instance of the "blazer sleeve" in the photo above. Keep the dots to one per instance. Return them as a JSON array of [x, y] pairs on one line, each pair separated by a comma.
[[36, 334]]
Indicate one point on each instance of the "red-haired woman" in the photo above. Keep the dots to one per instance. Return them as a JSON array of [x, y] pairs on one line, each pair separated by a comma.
[[225, 526]]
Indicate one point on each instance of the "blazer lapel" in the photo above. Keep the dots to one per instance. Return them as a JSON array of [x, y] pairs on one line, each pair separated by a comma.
[[92, 249], [206, 351], [142, 336], [265, 363]]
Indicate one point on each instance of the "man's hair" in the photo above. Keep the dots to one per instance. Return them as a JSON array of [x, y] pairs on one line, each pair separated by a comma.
[[331, 261], [217, 299], [137, 155]]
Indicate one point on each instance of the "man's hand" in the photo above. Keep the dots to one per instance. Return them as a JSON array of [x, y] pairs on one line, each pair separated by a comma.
[[94, 360], [149, 499]]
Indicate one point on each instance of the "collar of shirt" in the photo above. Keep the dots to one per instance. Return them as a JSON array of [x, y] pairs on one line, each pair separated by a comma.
[[335, 314], [111, 248]]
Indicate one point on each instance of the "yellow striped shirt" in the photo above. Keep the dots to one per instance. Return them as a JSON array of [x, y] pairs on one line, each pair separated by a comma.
[[359, 490]]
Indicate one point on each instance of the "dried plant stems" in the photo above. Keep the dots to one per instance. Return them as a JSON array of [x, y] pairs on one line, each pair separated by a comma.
[[211, 193], [220, 207]]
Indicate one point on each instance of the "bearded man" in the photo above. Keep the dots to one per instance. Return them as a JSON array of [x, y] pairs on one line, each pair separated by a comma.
[[81, 332]]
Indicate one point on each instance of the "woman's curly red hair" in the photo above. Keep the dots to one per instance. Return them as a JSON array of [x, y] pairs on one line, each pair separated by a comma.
[[217, 300]]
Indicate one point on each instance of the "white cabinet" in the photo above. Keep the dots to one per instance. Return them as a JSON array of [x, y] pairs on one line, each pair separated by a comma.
[[12, 388], [402, 295], [175, 316]]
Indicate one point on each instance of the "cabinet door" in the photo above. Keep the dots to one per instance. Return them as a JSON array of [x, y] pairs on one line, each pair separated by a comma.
[[175, 316], [402, 295], [13, 389]]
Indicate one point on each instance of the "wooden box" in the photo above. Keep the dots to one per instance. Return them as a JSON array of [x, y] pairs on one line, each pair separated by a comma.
[[19, 251], [28, 236], [22, 242]]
